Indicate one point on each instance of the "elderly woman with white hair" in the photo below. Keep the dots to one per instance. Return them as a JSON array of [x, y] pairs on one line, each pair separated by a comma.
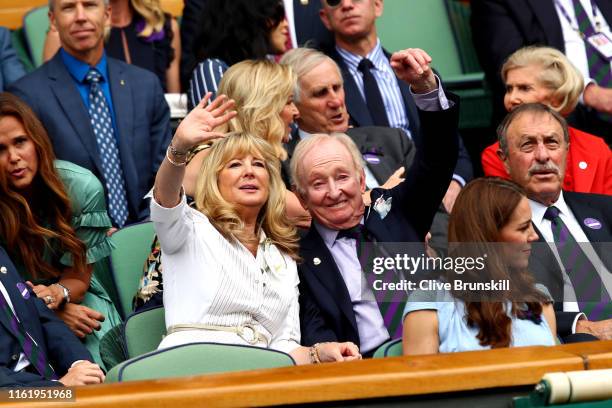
[[545, 75]]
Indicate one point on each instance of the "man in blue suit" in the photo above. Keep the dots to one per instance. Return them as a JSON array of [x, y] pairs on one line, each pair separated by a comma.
[[330, 181], [57, 344], [67, 91], [10, 66], [353, 23]]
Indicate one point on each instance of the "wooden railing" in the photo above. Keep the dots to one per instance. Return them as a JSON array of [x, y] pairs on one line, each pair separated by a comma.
[[359, 380], [12, 11]]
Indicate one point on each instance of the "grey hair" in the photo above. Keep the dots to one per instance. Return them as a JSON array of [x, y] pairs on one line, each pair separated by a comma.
[[306, 145], [52, 4], [535, 109], [303, 60]]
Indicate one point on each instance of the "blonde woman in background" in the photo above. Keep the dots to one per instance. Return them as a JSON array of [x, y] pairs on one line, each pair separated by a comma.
[[140, 34]]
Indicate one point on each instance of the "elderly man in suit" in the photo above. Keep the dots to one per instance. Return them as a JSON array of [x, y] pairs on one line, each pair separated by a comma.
[[501, 27], [36, 348], [330, 180], [534, 145], [100, 113], [374, 94], [387, 152]]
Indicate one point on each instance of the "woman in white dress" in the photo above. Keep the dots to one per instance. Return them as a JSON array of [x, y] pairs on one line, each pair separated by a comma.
[[229, 264]]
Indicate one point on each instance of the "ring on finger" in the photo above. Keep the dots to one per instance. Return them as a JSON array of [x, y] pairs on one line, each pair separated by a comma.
[[48, 299]]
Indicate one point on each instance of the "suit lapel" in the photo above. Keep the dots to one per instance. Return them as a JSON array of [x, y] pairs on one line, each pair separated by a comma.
[[583, 210], [327, 272], [19, 305], [546, 14], [68, 97], [355, 104], [123, 104]]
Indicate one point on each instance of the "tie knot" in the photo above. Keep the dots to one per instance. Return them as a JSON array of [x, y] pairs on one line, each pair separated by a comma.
[[365, 64], [93, 76], [551, 213], [353, 232]]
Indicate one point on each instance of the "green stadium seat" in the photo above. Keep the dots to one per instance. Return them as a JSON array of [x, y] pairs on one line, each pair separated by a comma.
[[19, 45], [197, 358], [392, 348], [35, 27], [441, 27], [144, 331], [132, 247]]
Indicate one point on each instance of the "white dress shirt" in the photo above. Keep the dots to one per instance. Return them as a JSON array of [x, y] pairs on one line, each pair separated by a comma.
[[210, 280], [544, 227]]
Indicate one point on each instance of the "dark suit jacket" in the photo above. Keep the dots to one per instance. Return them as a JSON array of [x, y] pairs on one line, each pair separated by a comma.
[[360, 116], [391, 145], [142, 120], [326, 312], [545, 267], [500, 27], [59, 344]]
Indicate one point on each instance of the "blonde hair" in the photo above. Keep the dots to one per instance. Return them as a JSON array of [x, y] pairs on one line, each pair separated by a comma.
[[223, 215], [303, 60], [261, 89], [557, 74], [153, 15], [306, 145]]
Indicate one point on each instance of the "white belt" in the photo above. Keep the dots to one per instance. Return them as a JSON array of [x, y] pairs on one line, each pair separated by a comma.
[[246, 332]]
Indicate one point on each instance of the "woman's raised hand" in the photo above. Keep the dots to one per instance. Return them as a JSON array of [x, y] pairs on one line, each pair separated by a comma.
[[199, 125]]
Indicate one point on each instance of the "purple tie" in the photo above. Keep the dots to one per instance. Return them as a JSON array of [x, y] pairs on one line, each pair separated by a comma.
[[591, 294], [390, 303], [32, 351]]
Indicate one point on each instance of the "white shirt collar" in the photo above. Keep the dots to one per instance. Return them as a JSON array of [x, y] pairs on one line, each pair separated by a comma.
[[538, 209]]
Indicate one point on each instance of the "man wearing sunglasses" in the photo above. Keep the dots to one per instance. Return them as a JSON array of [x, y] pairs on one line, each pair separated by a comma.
[[374, 94]]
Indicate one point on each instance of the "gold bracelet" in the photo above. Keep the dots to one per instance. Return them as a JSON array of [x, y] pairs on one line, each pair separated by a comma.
[[181, 163], [314, 354]]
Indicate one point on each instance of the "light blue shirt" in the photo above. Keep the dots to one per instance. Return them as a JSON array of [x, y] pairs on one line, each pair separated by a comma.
[[387, 84], [454, 332], [78, 71]]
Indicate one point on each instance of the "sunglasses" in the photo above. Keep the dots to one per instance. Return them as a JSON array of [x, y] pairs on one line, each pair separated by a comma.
[[336, 3]]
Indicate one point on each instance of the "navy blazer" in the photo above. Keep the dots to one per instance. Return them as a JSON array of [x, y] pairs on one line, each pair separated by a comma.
[[544, 265], [360, 115], [60, 345], [326, 312], [142, 119]]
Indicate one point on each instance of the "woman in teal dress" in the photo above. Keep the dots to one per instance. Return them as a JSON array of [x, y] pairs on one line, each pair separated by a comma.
[[491, 225], [54, 224]]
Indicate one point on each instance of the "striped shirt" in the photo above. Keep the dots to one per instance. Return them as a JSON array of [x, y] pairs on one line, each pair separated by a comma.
[[205, 78], [387, 83]]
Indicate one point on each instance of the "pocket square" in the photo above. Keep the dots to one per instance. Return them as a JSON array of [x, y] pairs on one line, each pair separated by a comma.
[[382, 206]]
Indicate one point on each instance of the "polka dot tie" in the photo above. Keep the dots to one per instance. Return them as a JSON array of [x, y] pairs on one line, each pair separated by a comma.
[[100, 117]]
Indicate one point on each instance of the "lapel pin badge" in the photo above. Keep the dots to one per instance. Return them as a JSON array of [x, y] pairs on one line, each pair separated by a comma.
[[3, 269], [316, 261], [122, 82], [592, 223], [23, 289], [304, 2], [583, 165]]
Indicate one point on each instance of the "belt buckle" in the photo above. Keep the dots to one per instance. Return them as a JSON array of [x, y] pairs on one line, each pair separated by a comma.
[[254, 335]]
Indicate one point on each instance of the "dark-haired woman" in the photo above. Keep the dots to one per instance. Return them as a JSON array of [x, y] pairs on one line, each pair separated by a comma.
[[54, 224], [233, 31], [491, 216]]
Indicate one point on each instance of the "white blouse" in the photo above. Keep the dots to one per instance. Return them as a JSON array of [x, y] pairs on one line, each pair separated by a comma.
[[210, 280]]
